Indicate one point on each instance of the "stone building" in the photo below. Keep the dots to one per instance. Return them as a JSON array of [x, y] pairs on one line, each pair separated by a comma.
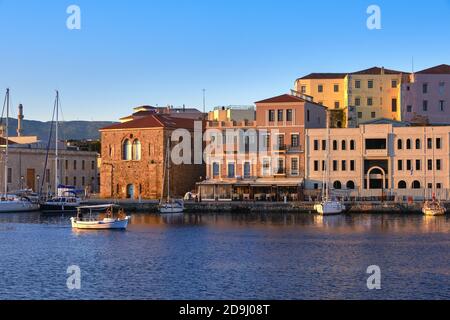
[[380, 159], [261, 159], [133, 157]]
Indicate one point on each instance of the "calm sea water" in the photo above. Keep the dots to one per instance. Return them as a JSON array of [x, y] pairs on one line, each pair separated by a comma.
[[227, 257]]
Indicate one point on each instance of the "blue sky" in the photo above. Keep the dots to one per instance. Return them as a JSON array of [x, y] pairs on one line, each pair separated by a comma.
[[130, 53]]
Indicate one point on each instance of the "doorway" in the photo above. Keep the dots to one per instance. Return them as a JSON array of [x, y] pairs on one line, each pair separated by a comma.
[[31, 179], [130, 191]]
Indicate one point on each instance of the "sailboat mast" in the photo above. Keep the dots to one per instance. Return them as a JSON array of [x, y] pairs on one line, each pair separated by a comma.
[[327, 188], [56, 143], [7, 142], [168, 169]]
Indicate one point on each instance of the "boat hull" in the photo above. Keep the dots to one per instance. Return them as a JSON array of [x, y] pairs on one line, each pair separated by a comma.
[[58, 208], [100, 225], [434, 212], [21, 206], [329, 208], [171, 210]]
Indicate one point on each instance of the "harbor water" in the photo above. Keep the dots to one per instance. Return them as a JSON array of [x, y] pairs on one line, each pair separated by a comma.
[[239, 256]]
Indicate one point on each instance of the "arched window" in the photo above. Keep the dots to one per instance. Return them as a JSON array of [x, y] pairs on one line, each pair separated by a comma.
[[352, 145], [416, 185], [350, 185], [399, 144], [408, 144], [344, 145], [137, 150], [402, 184], [126, 150], [337, 185], [417, 144]]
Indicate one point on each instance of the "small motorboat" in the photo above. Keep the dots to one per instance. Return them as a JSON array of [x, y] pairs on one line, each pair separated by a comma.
[[329, 207], [61, 204], [102, 217], [171, 207], [433, 208]]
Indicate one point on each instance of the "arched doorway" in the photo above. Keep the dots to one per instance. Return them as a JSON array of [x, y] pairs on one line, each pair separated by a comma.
[[130, 191], [376, 178], [416, 184], [337, 185], [350, 185], [402, 185]]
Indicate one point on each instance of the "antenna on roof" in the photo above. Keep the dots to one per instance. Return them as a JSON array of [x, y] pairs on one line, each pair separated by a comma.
[[204, 100]]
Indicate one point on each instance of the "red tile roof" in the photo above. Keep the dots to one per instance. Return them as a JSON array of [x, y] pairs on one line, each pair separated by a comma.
[[154, 121], [377, 71], [282, 98], [441, 69], [324, 76]]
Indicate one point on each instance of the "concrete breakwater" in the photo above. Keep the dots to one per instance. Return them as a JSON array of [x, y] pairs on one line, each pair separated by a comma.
[[266, 207]]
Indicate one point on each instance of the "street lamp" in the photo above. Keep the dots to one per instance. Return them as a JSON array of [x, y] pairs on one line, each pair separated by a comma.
[[21, 182], [38, 177]]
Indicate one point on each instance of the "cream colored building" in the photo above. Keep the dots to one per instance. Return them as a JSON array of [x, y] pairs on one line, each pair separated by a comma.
[[380, 159], [232, 113]]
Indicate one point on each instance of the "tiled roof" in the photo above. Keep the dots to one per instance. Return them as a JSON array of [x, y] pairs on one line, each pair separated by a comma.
[[324, 76], [282, 98], [154, 121], [377, 71], [441, 69]]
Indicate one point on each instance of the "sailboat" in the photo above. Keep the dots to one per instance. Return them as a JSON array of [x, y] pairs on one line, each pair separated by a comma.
[[433, 207], [12, 203], [60, 202], [170, 206], [328, 205]]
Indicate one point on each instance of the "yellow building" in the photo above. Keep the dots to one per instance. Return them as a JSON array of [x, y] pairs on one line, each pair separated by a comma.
[[369, 94]]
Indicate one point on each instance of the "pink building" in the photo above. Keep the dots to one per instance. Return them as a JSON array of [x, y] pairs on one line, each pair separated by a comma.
[[426, 99]]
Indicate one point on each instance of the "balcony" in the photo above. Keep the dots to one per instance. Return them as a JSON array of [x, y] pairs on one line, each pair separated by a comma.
[[294, 149], [280, 172]]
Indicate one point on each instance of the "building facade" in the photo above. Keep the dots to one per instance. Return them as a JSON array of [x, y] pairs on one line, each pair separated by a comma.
[[232, 113], [261, 159], [134, 154], [363, 95], [379, 159], [426, 98]]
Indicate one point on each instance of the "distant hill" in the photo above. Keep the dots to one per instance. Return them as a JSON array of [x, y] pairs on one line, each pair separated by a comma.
[[69, 130]]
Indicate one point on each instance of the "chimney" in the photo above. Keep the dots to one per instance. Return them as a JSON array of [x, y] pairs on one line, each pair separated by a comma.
[[19, 121]]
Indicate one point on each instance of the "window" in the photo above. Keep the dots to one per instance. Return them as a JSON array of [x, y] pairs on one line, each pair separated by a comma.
[[231, 170], [438, 186], [295, 140], [352, 145], [418, 144], [280, 115], [357, 84], [337, 185], [66, 180], [438, 164], [370, 101], [320, 88], [316, 165], [294, 167], [335, 165], [394, 105], [323, 165], [373, 115], [74, 164], [409, 108], [425, 88], [303, 89], [344, 145], [67, 164], [357, 102], [289, 115], [216, 170], [360, 115], [280, 141], [271, 115], [416, 185], [126, 147], [394, 84], [430, 143], [280, 166], [92, 165], [337, 104], [9, 175], [266, 167], [425, 105], [83, 165], [136, 150], [430, 165], [324, 145], [418, 165], [83, 181], [316, 186], [336, 88], [400, 165], [408, 165], [344, 165], [350, 185], [308, 115], [438, 143], [335, 145], [402, 184], [370, 84], [74, 181], [316, 145], [352, 165], [399, 144], [408, 144], [441, 105], [247, 170]]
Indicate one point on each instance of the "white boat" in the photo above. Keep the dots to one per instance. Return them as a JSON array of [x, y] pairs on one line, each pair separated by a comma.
[[88, 218], [433, 208], [61, 204], [169, 206], [12, 203], [328, 206]]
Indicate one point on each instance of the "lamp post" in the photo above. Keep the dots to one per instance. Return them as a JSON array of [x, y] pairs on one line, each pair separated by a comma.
[[38, 177], [21, 182]]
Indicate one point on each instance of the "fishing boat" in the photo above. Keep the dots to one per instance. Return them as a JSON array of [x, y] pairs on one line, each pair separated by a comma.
[[100, 217], [12, 203], [169, 206], [64, 198], [328, 205]]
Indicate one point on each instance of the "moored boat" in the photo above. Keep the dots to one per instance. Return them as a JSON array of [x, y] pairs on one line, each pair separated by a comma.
[[90, 218], [433, 208]]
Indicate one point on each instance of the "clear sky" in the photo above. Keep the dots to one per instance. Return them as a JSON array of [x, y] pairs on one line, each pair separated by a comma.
[[130, 53]]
